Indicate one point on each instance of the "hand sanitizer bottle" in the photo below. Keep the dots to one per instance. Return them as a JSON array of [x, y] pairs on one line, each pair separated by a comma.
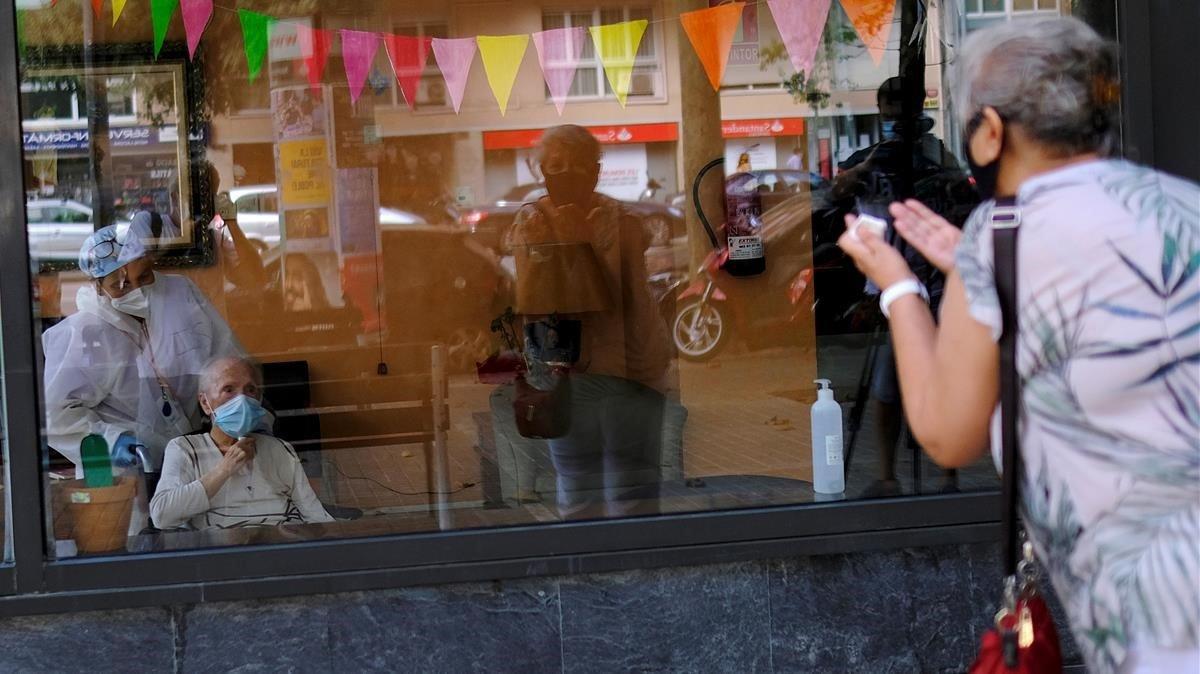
[[829, 475]]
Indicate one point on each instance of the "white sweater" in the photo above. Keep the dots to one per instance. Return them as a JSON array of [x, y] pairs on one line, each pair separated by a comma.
[[271, 490]]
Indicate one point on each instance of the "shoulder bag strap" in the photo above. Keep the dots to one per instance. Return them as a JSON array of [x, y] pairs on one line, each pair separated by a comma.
[[1006, 221]]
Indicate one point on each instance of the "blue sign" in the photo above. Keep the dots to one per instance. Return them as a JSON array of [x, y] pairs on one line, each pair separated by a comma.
[[356, 210], [79, 139]]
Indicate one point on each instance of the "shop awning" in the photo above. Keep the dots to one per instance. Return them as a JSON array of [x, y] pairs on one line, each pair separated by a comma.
[[621, 134], [758, 128]]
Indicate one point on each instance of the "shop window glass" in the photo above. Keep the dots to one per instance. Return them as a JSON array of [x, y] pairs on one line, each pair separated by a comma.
[[432, 350], [589, 78], [5, 521], [431, 92]]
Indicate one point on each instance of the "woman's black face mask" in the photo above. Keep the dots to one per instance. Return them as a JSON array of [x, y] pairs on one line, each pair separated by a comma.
[[985, 175], [567, 183]]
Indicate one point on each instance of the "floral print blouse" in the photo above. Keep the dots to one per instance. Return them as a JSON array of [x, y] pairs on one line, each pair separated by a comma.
[[1109, 358]]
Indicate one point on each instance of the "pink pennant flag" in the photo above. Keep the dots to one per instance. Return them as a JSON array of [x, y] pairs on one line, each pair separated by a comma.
[[196, 15], [800, 24], [408, 56], [314, 49], [558, 53], [358, 52], [454, 57]]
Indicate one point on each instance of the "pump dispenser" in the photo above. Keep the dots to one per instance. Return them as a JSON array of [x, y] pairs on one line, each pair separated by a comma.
[[829, 475]]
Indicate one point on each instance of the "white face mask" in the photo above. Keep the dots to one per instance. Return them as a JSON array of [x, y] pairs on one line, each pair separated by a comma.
[[136, 302]]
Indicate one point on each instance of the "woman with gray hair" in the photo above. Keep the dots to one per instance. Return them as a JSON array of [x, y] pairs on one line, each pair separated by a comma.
[[1108, 286]]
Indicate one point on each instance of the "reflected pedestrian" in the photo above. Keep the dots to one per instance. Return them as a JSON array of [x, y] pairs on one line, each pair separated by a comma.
[[608, 461]]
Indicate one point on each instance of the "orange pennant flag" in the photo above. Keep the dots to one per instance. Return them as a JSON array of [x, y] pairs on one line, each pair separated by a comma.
[[711, 33], [872, 20]]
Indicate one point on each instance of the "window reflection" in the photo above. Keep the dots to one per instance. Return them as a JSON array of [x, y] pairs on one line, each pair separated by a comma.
[[467, 319]]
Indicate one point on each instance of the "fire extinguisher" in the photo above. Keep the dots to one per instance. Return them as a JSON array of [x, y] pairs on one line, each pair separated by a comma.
[[743, 227]]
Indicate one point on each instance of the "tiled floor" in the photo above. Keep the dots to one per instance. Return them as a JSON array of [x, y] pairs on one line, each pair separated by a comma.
[[747, 416]]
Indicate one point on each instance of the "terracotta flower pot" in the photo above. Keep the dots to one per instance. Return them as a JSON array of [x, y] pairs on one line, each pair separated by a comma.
[[99, 516]]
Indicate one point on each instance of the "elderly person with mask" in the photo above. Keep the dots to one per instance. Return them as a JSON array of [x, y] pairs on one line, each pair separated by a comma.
[[232, 476], [126, 364], [1107, 283]]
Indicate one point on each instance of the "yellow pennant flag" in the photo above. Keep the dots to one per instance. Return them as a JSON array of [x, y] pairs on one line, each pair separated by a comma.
[[502, 55], [118, 6], [617, 46]]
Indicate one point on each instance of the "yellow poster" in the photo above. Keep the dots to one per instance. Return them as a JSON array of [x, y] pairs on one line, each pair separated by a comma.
[[304, 171]]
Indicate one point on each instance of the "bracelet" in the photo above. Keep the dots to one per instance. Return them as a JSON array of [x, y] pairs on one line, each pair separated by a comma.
[[909, 286]]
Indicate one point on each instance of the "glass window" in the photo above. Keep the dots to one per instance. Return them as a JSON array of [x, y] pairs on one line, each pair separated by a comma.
[[431, 92], [990, 11], [589, 78], [435, 338], [5, 521]]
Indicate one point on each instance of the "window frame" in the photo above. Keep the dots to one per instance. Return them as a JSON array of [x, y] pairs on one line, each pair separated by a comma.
[[594, 64], [420, 27], [34, 584], [1007, 14]]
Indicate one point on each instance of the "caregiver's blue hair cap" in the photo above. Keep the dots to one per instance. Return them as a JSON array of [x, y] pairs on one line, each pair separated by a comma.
[[107, 250]]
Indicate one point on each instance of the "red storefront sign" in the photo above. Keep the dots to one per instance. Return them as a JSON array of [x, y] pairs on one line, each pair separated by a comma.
[[757, 128], [622, 134], [609, 135]]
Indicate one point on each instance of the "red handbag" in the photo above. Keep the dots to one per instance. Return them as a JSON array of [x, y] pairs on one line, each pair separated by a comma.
[[1023, 638]]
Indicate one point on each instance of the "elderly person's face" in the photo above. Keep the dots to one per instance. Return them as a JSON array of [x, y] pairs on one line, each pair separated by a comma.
[[570, 179], [228, 379], [133, 275]]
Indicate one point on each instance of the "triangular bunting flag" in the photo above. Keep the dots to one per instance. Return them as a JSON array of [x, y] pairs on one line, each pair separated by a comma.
[[558, 53], [407, 55], [97, 8], [118, 7], [711, 33], [196, 15], [21, 32], [314, 49], [358, 52], [161, 12], [501, 60], [454, 58], [617, 46], [872, 20], [256, 34], [800, 24]]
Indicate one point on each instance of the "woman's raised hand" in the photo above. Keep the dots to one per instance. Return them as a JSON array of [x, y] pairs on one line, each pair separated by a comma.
[[926, 231]]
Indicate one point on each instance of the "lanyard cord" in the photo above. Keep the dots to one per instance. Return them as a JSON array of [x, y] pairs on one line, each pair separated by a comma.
[[164, 386]]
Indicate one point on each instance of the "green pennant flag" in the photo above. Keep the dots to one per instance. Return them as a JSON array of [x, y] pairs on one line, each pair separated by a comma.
[[161, 12], [21, 32], [256, 29]]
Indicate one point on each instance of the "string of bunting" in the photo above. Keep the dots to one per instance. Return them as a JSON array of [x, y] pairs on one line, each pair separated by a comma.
[[710, 32]]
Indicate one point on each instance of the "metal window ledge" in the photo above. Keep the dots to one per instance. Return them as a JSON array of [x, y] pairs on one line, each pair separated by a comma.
[[516, 552]]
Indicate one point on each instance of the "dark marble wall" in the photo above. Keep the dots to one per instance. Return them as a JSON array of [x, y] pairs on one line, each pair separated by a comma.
[[913, 610]]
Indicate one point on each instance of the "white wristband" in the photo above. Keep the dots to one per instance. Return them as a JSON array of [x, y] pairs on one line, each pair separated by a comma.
[[910, 286]]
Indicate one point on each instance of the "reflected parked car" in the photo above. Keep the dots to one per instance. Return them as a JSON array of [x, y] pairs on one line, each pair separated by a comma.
[[774, 186], [488, 223], [438, 285], [770, 188], [258, 214], [58, 227]]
